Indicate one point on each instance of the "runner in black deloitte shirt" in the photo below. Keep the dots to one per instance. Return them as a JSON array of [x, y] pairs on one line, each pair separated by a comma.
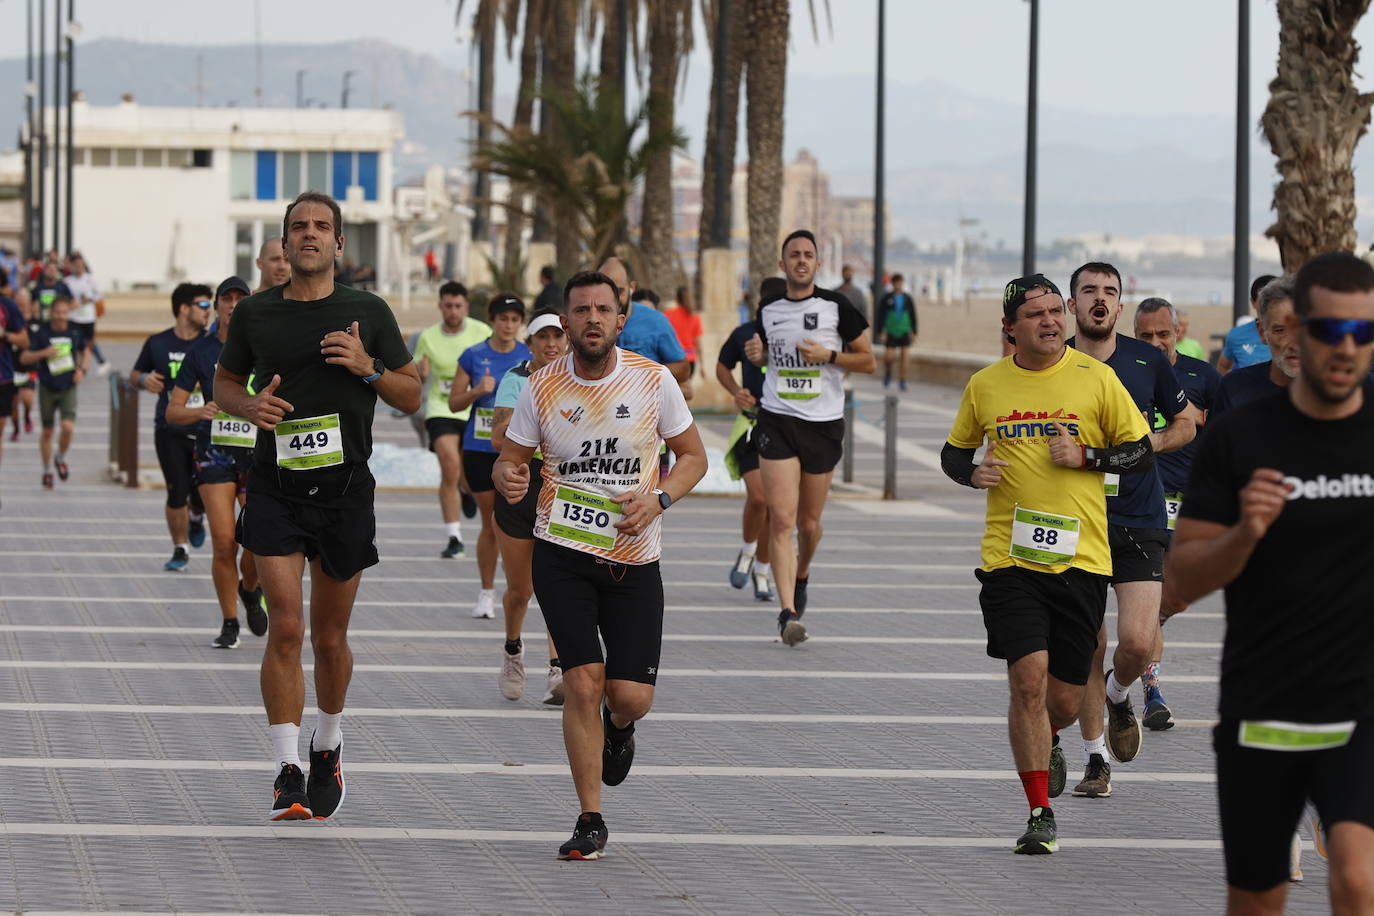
[[1277, 512], [321, 355], [1136, 524]]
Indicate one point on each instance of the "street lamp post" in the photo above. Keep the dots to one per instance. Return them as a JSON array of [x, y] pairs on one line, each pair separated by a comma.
[[1032, 115], [72, 30], [300, 88], [348, 75], [879, 166], [57, 126], [1240, 270], [42, 122]]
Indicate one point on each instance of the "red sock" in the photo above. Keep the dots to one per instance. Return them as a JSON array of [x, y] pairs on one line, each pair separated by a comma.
[[1054, 732], [1037, 786]]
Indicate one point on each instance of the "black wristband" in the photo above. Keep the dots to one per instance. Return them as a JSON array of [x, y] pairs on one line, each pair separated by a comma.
[[834, 354]]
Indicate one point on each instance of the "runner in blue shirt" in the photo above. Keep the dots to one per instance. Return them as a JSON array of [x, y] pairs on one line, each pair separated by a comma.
[[479, 371]]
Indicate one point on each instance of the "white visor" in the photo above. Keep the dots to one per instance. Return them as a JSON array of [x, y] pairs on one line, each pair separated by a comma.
[[542, 322]]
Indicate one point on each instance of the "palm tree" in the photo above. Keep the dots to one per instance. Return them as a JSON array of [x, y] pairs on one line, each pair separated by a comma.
[[585, 173], [523, 118], [766, 88], [484, 22], [670, 38], [1313, 121], [737, 52]]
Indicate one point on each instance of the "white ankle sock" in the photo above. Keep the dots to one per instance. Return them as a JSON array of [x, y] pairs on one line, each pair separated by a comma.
[[1096, 746], [1115, 692], [454, 529], [286, 744], [748, 547], [765, 569], [327, 730], [185, 547]]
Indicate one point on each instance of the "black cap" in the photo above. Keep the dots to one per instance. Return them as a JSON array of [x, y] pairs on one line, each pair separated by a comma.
[[1016, 291], [231, 284], [505, 303]]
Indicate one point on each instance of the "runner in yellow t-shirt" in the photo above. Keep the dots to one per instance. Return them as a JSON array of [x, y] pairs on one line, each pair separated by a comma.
[[598, 415], [436, 356], [1054, 420]]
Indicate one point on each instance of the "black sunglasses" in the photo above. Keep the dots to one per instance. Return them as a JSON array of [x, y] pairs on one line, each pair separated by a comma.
[[1333, 330]]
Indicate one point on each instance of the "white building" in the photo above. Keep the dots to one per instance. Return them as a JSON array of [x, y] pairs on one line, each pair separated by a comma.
[[171, 194]]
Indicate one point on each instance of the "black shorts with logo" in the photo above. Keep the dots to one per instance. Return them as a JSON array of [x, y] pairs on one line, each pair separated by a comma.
[[477, 470], [746, 452], [1262, 793], [444, 426], [1026, 611], [217, 464], [517, 519], [1137, 553], [587, 601], [818, 444], [331, 518]]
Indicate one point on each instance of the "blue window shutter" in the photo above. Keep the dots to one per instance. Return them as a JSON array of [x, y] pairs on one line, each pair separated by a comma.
[[267, 175], [367, 175], [343, 175]]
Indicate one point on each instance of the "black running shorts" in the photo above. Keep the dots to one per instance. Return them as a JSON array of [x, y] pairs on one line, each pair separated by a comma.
[[1262, 793], [746, 452], [1025, 611], [7, 390], [176, 454], [517, 520], [817, 444], [587, 601], [271, 525], [444, 426], [1137, 553], [217, 464], [477, 470]]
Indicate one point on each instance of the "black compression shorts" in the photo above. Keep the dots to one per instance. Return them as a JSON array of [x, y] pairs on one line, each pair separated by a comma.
[[517, 520], [176, 454], [477, 470]]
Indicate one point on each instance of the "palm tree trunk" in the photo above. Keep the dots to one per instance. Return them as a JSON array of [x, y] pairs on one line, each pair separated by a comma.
[[1313, 121], [656, 224], [524, 116], [560, 76], [727, 138], [486, 73], [766, 86]]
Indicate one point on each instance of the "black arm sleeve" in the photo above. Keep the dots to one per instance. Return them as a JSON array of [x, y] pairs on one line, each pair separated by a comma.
[[1126, 458], [957, 463]]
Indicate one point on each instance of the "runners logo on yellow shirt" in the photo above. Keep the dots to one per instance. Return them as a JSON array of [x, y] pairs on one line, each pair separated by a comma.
[[1035, 424]]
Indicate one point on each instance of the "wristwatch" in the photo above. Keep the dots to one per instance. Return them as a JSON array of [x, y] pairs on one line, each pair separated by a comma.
[[664, 500], [378, 367]]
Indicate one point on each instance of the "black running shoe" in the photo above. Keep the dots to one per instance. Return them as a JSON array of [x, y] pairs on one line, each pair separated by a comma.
[[619, 752], [588, 839], [790, 627], [196, 533], [47, 480], [1059, 770], [469, 504], [326, 783], [799, 595], [454, 549], [1041, 836], [228, 637], [178, 561], [290, 803], [61, 466], [255, 605]]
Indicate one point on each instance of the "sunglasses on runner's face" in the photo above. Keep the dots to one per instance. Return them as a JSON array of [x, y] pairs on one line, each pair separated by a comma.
[[203, 303], [1333, 330]]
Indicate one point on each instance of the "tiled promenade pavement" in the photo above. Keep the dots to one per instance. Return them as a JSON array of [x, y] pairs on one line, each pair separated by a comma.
[[865, 772]]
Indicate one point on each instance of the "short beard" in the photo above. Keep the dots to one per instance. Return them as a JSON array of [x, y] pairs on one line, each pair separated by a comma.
[[1096, 333], [593, 357]]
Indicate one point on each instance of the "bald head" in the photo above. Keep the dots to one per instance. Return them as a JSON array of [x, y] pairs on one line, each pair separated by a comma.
[[617, 270], [273, 268]]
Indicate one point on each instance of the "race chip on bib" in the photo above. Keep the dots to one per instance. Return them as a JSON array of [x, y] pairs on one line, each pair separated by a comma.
[[1172, 502], [587, 518], [1043, 537], [483, 417], [1295, 736], [311, 443], [799, 384], [63, 362], [233, 432], [1111, 484]]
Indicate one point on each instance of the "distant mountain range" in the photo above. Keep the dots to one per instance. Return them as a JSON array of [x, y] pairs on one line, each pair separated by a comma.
[[949, 154]]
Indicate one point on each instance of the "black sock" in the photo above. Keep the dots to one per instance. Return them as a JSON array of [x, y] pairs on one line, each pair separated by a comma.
[[232, 621], [553, 662], [593, 817], [612, 727], [513, 646]]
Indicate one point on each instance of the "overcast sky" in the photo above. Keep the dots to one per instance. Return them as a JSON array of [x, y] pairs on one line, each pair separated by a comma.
[[1159, 56]]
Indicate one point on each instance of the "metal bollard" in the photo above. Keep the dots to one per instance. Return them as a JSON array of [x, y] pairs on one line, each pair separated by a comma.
[[128, 435], [890, 447], [112, 453], [847, 473]]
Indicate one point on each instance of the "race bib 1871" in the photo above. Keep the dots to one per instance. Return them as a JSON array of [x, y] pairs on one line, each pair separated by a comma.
[[314, 442], [799, 384]]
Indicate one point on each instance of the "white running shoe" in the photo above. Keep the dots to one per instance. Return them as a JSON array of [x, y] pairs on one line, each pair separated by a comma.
[[486, 605], [553, 694], [512, 677]]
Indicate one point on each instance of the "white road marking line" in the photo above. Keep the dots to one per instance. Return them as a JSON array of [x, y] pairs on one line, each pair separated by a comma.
[[411, 580], [551, 713], [196, 632], [325, 830], [561, 769]]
